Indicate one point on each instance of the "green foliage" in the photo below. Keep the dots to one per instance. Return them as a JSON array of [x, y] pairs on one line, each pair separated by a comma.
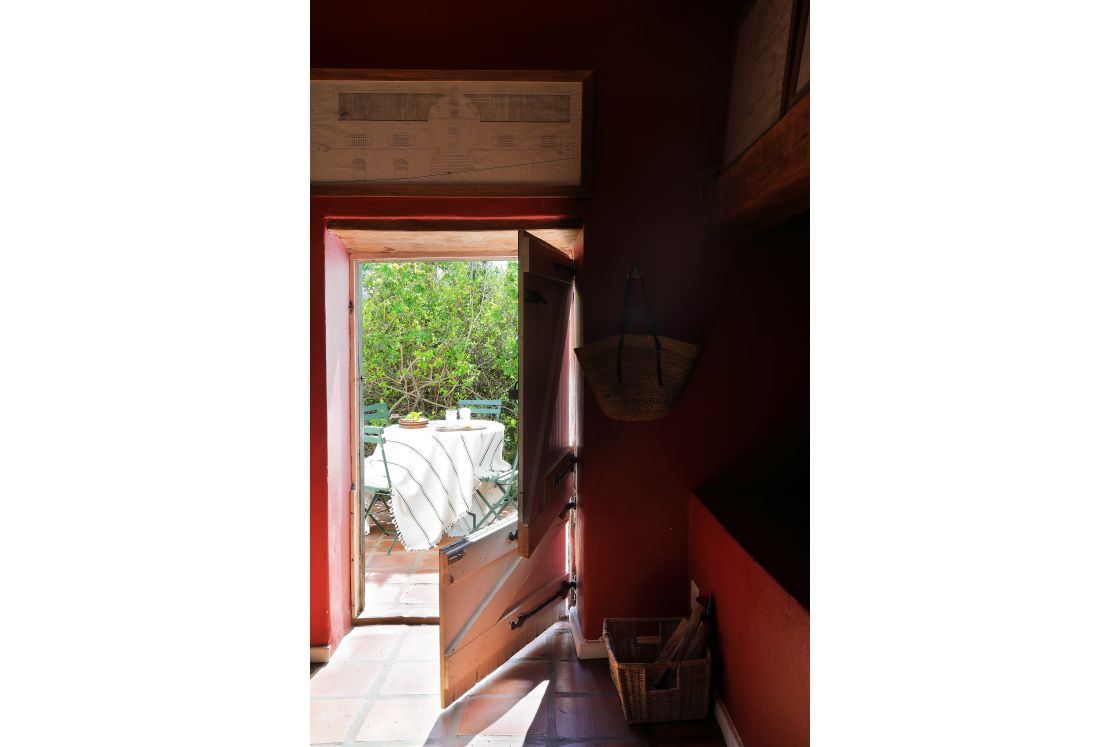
[[438, 332]]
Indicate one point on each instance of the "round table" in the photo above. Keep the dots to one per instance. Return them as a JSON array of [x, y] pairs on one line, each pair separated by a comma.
[[433, 474]]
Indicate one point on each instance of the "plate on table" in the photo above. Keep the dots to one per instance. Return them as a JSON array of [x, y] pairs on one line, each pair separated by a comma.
[[461, 427], [413, 423]]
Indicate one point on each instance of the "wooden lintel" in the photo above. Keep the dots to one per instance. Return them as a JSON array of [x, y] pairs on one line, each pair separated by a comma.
[[410, 239], [769, 182]]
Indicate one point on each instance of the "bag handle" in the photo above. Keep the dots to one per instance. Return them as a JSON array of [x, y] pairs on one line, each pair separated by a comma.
[[636, 272]]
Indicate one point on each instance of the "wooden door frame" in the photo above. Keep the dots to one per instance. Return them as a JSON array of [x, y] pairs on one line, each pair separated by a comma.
[[352, 233], [357, 541]]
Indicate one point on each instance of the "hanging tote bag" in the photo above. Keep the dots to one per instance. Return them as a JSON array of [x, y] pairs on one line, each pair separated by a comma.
[[636, 377]]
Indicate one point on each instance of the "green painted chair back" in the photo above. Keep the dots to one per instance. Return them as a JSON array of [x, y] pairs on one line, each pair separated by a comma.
[[507, 484], [375, 414], [375, 434], [482, 406]]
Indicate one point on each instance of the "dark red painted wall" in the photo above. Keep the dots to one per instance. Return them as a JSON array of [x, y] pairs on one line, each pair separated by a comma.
[[754, 375], [662, 72], [762, 638]]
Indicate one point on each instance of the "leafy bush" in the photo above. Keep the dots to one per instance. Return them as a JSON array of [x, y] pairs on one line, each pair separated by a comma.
[[438, 332]]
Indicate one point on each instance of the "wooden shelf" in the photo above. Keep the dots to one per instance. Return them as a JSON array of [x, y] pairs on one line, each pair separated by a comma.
[[763, 503], [769, 182], [763, 526]]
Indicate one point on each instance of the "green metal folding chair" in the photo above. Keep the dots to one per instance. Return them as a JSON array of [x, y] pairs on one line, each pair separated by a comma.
[[376, 414], [506, 480], [377, 489], [482, 406]]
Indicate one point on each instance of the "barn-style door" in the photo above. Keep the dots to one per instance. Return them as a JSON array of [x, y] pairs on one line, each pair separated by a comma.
[[503, 586]]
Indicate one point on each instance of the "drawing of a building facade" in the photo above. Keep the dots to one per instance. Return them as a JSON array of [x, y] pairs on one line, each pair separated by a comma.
[[444, 136]]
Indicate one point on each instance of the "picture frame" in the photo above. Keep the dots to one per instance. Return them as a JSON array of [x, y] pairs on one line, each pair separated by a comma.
[[797, 61], [482, 133], [757, 97]]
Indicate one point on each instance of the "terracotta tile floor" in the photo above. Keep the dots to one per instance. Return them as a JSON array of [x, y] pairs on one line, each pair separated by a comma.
[[403, 584], [380, 688]]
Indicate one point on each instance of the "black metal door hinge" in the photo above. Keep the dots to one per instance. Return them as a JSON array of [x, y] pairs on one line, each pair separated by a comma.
[[571, 465], [567, 507], [456, 551], [565, 587]]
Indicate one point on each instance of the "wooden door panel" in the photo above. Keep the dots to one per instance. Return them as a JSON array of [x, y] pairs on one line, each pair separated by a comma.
[[537, 256], [485, 591], [546, 293], [555, 486], [500, 588]]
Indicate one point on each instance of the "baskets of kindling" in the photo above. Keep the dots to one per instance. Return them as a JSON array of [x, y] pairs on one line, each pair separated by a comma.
[[652, 690], [636, 377]]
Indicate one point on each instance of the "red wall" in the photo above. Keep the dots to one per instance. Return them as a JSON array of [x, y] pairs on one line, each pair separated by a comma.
[[320, 596], [762, 637], [754, 375], [645, 206]]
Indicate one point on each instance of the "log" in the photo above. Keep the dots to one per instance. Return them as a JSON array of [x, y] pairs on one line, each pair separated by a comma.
[[700, 640], [674, 651]]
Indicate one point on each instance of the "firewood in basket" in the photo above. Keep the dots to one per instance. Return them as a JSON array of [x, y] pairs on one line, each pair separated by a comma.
[[673, 641], [677, 646], [700, 640]]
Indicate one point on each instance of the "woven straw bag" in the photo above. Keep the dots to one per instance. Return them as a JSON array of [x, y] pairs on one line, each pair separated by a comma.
[[636, 377]]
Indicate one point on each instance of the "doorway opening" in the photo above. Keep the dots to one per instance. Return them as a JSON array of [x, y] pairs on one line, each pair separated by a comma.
[[439, 343], [483, 508]]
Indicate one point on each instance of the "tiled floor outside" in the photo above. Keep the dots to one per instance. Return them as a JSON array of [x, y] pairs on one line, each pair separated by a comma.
[[381, 688], [403, 584]]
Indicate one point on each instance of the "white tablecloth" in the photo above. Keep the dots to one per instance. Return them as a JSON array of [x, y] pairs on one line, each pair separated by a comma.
[[434, 475]]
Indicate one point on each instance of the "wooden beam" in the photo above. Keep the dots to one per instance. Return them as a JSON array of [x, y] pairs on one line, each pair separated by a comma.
[[407, 246], [769, 182], [409, 239]]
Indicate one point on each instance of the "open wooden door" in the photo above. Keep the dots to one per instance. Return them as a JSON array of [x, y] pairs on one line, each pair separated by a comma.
[[500, 588]]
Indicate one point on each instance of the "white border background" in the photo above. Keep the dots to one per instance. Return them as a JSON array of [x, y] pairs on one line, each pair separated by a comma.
[[964, 374]]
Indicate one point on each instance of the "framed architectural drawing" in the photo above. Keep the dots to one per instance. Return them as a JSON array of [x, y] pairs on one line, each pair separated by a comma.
[[759, 74], [450, 132], [797, 75]]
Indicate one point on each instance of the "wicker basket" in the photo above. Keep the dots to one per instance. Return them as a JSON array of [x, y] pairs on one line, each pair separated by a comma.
[[632, 645], [625, 383], [636, 377]]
